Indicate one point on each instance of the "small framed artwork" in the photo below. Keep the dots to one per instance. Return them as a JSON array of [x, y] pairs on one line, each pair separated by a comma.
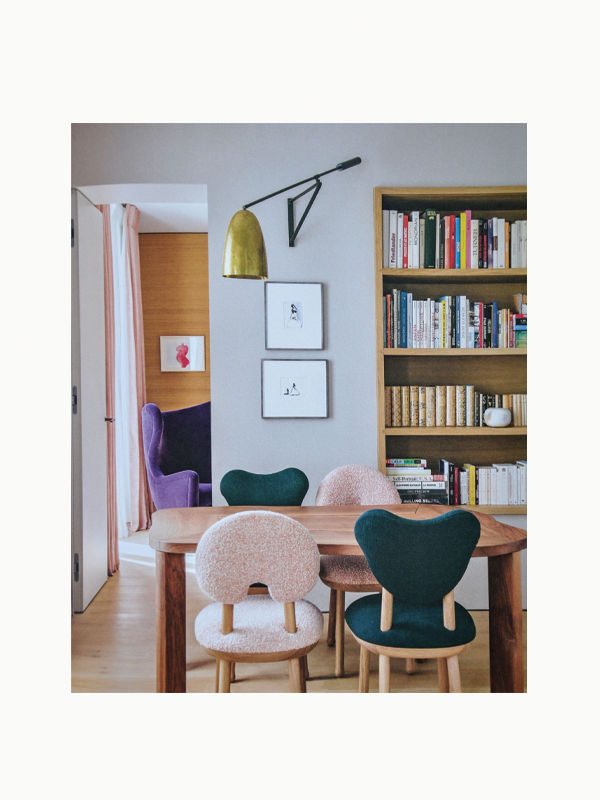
[[293, 316], [294, 389], [182, 354]]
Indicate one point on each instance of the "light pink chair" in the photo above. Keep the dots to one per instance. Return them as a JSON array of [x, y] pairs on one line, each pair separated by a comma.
[[258, 547], [353, 484]]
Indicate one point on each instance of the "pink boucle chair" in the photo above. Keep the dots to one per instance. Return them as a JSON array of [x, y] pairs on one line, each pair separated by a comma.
[[251, 547], [353, 484]]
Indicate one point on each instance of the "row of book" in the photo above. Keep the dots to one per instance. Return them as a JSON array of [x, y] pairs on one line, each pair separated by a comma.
[[447, 406], [494, 484], [435, 240], [451, 321]]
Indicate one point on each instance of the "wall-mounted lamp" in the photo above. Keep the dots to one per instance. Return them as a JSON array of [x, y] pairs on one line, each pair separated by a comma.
[[244, 255]]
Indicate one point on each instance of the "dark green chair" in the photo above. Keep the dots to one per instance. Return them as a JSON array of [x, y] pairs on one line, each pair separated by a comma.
[[288, 487], [418, 563]]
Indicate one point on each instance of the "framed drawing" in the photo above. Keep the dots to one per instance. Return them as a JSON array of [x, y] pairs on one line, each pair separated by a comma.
[[294, 389], [293, 316], [182, 354]]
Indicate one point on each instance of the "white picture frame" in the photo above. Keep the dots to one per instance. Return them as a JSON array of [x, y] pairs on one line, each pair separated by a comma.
[[293, 316], [294, 389], [182, 354]]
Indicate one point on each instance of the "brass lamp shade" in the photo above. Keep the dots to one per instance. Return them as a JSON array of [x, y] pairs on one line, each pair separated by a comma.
[[244, 255]]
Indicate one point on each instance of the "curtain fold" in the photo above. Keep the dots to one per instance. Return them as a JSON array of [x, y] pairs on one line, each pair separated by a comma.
[[109, 339]]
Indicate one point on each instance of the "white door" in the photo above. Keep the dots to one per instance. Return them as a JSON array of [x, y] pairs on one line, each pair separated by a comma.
[[88, 400]]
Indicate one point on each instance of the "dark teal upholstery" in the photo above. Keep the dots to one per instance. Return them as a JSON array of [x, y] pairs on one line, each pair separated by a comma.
[[412, 626], [285, 488], [418, 562]]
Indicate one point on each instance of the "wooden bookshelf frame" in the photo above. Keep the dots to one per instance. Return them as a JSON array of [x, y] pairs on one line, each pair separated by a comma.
[[496, 370]]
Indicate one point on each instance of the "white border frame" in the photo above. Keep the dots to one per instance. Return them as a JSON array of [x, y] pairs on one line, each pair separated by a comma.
[[195, 353], [281, 333], [309, 377]]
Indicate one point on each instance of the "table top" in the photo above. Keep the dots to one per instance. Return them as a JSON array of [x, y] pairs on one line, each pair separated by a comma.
[[178, 530]]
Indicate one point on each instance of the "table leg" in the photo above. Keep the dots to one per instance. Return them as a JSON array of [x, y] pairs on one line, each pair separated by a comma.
[[506, 623], [170, 622]]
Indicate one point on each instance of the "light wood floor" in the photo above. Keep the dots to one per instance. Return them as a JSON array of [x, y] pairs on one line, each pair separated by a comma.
[[113, 649]]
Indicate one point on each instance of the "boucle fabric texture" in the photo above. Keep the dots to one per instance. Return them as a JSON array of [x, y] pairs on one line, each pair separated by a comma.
[[258, 627], [418, 561], [356, 484], [412, 625], [257, 547], [287, 487], [351, 570]]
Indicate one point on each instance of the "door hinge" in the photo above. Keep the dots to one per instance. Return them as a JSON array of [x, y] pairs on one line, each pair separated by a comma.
[[76, 567], [74, 399], [72, 232]]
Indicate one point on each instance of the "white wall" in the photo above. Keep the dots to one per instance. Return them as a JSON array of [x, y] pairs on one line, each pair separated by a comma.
[[242, 162]]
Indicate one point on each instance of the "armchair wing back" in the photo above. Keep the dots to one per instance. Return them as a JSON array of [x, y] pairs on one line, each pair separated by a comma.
[[177, 454]]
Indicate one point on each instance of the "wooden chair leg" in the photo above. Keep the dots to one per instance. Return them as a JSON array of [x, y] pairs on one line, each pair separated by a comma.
[[453, 674], [331, 619], [231, 671], [443, 675], [411, 665], [304, 662], [295, 672], [224, 674], [384, 673], [363, 671], [339, 632], [217, 665]]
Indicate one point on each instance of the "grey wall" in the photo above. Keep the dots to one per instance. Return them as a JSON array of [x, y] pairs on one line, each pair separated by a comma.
[[241, 162]]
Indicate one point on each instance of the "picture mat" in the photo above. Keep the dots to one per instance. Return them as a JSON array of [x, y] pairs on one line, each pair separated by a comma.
[[284, 333], [294, 389], [169, 361]]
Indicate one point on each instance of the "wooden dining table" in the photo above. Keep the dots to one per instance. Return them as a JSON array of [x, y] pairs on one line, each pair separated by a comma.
[[177, 531]]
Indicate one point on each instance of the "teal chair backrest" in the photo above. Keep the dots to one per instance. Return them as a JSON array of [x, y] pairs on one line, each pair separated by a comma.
[[287, 487], [418, 561]]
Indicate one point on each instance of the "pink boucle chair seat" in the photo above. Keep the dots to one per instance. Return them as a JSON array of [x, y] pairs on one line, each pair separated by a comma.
[[340, 571], [258, 627]]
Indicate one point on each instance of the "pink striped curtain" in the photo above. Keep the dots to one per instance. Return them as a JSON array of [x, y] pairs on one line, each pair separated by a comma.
[[141, 510], [109, 328]]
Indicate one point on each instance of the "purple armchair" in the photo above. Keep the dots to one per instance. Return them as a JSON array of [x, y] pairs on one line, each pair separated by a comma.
[[177, 453]]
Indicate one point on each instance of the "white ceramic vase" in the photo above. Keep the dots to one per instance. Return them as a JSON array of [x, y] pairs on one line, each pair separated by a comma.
[[497, 417]]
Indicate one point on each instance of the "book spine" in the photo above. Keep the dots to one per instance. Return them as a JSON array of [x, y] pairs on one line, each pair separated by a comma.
[[452, 242], [414, 406], [396, 407], [468, 240], [405, 401], [463, 240], [403, 311], [422, 406], [386, 238], [460, 407], [393, 238], [406, 462], [451, 406], [430, 406], [470, 405], [429, 239], [388, 406], [474, 244], [440, 406], [457, 240]]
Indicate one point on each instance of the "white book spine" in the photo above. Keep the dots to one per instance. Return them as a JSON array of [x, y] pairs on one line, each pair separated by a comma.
[[386, 238], [393, 239], [500, 243], [400, 240], [409, 318], [414, 217], [474, 244], [495, 242], [436, 262]]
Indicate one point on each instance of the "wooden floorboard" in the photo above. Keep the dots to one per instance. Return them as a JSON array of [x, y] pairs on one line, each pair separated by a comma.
[[113, 645]]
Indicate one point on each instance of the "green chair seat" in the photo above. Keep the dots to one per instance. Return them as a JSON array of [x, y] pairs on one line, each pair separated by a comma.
[[413, 626]]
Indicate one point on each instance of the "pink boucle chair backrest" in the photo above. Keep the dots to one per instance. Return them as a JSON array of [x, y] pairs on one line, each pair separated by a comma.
[[356, 484], [257, 547]]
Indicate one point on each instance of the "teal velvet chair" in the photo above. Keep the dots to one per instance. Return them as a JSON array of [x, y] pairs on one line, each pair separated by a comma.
[[418, 563], [288, 487]]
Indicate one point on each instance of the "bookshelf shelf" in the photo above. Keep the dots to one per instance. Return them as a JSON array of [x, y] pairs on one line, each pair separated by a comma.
[[491, 370], [450, 431], [456, 351]]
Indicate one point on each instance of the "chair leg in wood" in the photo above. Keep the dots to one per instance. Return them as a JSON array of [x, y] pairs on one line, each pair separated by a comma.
[[331, 619], [217, 665], [411, 665], [363, 671], [231, 671], [384, 673], [340, 597], [443, 675], [304, 662], [224, 674], [296, 676], [453, 674]]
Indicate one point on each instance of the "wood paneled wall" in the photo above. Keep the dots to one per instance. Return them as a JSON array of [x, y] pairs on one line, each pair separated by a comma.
[[174, 278]]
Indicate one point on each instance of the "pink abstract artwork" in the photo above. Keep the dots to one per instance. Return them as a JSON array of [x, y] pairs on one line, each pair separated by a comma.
[[182, 351]]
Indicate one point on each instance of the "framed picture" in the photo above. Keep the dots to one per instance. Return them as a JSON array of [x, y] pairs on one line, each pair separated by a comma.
[[182, 354], [294, 389], [293, 316]]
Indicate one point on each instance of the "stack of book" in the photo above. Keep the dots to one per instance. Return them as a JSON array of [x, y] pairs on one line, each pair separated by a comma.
[[449, 322], [447, 406], [493, 484], [415, 482], [437, 240]]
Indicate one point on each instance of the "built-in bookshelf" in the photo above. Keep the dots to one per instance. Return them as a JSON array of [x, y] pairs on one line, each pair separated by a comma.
[[493, 370]]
